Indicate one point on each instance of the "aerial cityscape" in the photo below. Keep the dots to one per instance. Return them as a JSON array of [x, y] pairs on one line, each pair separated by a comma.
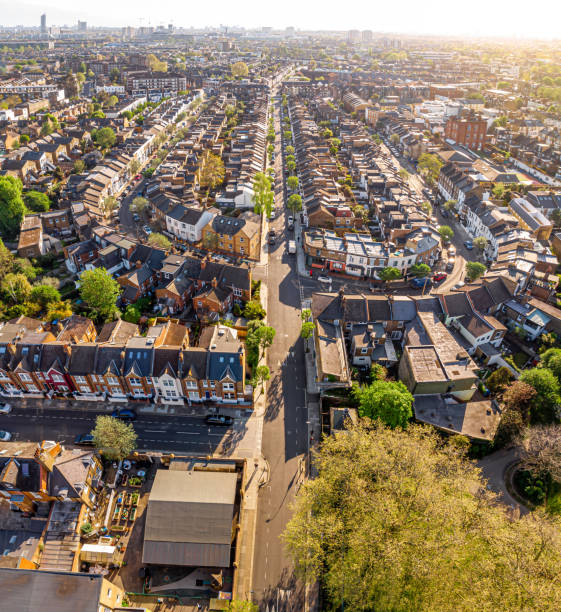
[[280, 311]]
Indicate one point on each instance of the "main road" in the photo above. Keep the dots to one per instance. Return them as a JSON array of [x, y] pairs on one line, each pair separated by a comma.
[[186, 434], [285, 425]]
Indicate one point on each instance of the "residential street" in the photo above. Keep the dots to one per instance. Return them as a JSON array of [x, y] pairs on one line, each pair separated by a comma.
[[187, 434], [285, 429]]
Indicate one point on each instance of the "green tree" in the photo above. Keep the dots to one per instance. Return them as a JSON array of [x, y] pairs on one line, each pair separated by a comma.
[[263, 197], [79, 166], [499, 380], [551, 359], [100, 292], [132, 314], [44, 294], [262, 374], [113, 438], [426, 207], [155, 64], [389, 274], [253, 310], [12, 208], [105, 138], [58, 310], [391, 512], [134, 166], [292, 183], [289, 150], [327, 134], [37, 201], [242, 606], [450, 205], [139, 204], [394, 139], [446, 233], [294, 203], [474, 270], [307, 331], [480, 243], [212, 172], [545, 404], [159, 241], [388, 401], [239, 70], [109, 204], [16, 287], [419, 270], [429, 166], [404, 175], [266, 335]]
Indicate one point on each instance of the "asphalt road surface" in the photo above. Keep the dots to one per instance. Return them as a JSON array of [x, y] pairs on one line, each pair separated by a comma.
[[285, 423], [187, 434]]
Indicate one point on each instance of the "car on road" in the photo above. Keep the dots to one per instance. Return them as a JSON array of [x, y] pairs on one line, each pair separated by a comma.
[[5, 436], [5, 408], [219, 419], [450, 264], [273, 214], [290, 219], [125, 414], [451, 250], [421, 283], [444, 212], [137, 177], [324, 279], [136, 217], [147, 230], [85, 439], [439, 277], [468, 244]]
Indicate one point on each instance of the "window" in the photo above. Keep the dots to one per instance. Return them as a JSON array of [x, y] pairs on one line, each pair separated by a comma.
[[212, 385], [191, 384], [241, 239], [136, 382], [228, 386], [25, 377], [80, 379], [84, 389], [111, 380], [168, 383], [363, 350], [205, 384]]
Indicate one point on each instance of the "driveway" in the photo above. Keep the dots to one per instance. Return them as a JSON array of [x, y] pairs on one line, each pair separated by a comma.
[[493, 469]]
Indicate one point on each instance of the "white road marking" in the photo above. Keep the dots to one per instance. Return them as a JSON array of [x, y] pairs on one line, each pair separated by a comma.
[[190, 433], [154, 431]]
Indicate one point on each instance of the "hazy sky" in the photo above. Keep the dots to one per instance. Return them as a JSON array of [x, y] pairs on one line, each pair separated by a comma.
[[535, 18]]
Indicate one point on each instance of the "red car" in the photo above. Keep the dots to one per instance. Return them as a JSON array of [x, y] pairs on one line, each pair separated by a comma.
[[137, 177], [439, 276]]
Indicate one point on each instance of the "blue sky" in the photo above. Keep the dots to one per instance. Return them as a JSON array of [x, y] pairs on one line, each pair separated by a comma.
[[539, 18]]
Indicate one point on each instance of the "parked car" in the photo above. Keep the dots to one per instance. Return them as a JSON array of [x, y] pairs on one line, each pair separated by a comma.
[[451, 250], [125, 414], [290, 219], [468, 244], [85, 439], [5, 436], [273, 214], [136, 217], [439, 277], [219, 419], [147, 229], [450, 264], [5, 408], [324, 279], [443, 212], [420, 283]]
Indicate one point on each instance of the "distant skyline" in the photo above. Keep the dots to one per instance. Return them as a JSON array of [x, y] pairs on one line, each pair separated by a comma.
[[515, 18]]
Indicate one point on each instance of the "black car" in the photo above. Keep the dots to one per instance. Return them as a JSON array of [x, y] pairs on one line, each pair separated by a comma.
[[125, 414], [219, 419], [85, 439]]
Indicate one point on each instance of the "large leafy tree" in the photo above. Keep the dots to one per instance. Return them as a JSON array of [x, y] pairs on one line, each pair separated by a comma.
[[114, 438], [105, 138], [294, 202], [16, 287], [263, 196], [446, 233], [37, 201], [393, 515], [45, 294], [474, 270], [212, 171], [419, 270], [429, 167], [551, 359], [389, 274], [388, 401], [239, 69], [159, 240], [100, 292], [12, 208], [543, 408]]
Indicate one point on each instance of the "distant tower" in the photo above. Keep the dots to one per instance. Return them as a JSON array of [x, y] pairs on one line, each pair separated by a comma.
[[44, 23], [366, 36], [83, 26]]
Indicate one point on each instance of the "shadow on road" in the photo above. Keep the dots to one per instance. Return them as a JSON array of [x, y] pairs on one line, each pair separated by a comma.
[[285, 596]]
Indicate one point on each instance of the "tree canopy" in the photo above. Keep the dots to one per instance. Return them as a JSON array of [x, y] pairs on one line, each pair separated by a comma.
[[398, 520], [429, 167], [113, 438], [159, 240], [474, 270], [100, 292], [239, 69], [294, 202], [37, 201], [12, 207], [419, 270], [388, 401], [104, 138], [543, 407], [263, 197], [389, 274], [446, 233]]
